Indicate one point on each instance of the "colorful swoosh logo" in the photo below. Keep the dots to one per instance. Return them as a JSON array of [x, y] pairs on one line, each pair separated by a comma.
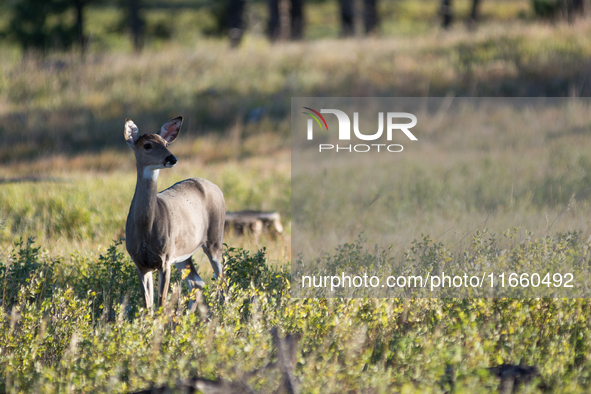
[[315, 117]]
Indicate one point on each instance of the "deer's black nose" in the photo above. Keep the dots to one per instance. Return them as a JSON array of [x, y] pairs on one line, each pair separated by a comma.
[[171, 160]]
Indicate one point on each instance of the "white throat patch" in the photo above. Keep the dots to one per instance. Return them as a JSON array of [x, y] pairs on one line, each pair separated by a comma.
[[151, 173]]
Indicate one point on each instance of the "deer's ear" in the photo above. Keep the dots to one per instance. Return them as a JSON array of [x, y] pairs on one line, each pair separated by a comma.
[[130, 132], [170, 130]]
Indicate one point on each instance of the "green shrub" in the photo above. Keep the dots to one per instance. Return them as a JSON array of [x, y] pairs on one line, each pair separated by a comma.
[[245, 270], [109, 281], [546, 8], [24, 268]]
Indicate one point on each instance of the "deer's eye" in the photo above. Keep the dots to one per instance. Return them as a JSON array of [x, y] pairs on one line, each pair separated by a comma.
[[147, 147]]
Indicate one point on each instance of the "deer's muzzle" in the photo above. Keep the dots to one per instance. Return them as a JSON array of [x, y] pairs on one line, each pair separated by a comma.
[[170, 161]]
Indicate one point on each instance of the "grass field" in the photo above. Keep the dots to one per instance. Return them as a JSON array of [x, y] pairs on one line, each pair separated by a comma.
[[71, 317], [492, 165]]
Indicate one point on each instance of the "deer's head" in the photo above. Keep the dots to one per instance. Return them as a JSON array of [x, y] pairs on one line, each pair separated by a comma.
[[151, 152]]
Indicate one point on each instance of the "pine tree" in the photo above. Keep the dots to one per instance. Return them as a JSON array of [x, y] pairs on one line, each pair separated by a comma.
[[30, 27]]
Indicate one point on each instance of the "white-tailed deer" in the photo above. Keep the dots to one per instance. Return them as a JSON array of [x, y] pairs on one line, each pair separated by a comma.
[[168, 227]]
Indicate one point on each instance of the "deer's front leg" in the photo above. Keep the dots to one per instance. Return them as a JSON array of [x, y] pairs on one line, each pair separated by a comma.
[[163, 282], [147, 287]]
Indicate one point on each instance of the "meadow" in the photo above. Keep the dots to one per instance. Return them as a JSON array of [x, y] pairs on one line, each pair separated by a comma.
[[498, 171], [72, 319]]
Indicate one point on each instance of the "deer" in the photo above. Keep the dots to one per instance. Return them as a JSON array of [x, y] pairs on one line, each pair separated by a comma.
[[167, 228]]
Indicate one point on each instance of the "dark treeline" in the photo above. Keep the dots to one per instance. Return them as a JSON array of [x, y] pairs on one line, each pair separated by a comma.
[[569, 9], [447, 14], [30, 25], [42, 24]]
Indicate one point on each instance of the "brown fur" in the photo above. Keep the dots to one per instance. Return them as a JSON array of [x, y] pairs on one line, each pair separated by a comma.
[[168, 227]]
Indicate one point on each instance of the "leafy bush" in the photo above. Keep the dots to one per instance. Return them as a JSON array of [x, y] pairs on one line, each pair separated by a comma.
[[109, 281], [245, 270], [28, 275], [64, 327], [345, 345], [25, 268]]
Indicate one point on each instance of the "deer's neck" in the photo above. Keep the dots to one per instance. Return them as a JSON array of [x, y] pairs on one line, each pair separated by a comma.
[[144, 201]]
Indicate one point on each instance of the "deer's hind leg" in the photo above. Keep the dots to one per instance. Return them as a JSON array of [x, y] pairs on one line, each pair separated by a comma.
[[193, 280], [214, 254], [214, 246]]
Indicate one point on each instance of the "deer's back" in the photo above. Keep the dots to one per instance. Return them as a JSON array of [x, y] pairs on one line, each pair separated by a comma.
[[195, 194], [196, 207]]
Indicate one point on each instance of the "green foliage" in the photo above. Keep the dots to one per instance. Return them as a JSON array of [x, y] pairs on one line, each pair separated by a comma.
[[219, 14], [50, 341], [547, 8], [353, 258], [41, 24], [25, 275], [30, 276], [109, 282], [245, 271], [514, 253]]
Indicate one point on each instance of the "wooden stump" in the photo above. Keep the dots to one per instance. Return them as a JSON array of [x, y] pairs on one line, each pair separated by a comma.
[[253, 223]]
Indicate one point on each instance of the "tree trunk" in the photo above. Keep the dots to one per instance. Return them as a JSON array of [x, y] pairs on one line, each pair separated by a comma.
[[370, 16], [473, 14], [347, 17], [575, 8], [446, 12], [236, 21], [136, 24], [273, 26], [79, 4], [284, 19], [297, 19]]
